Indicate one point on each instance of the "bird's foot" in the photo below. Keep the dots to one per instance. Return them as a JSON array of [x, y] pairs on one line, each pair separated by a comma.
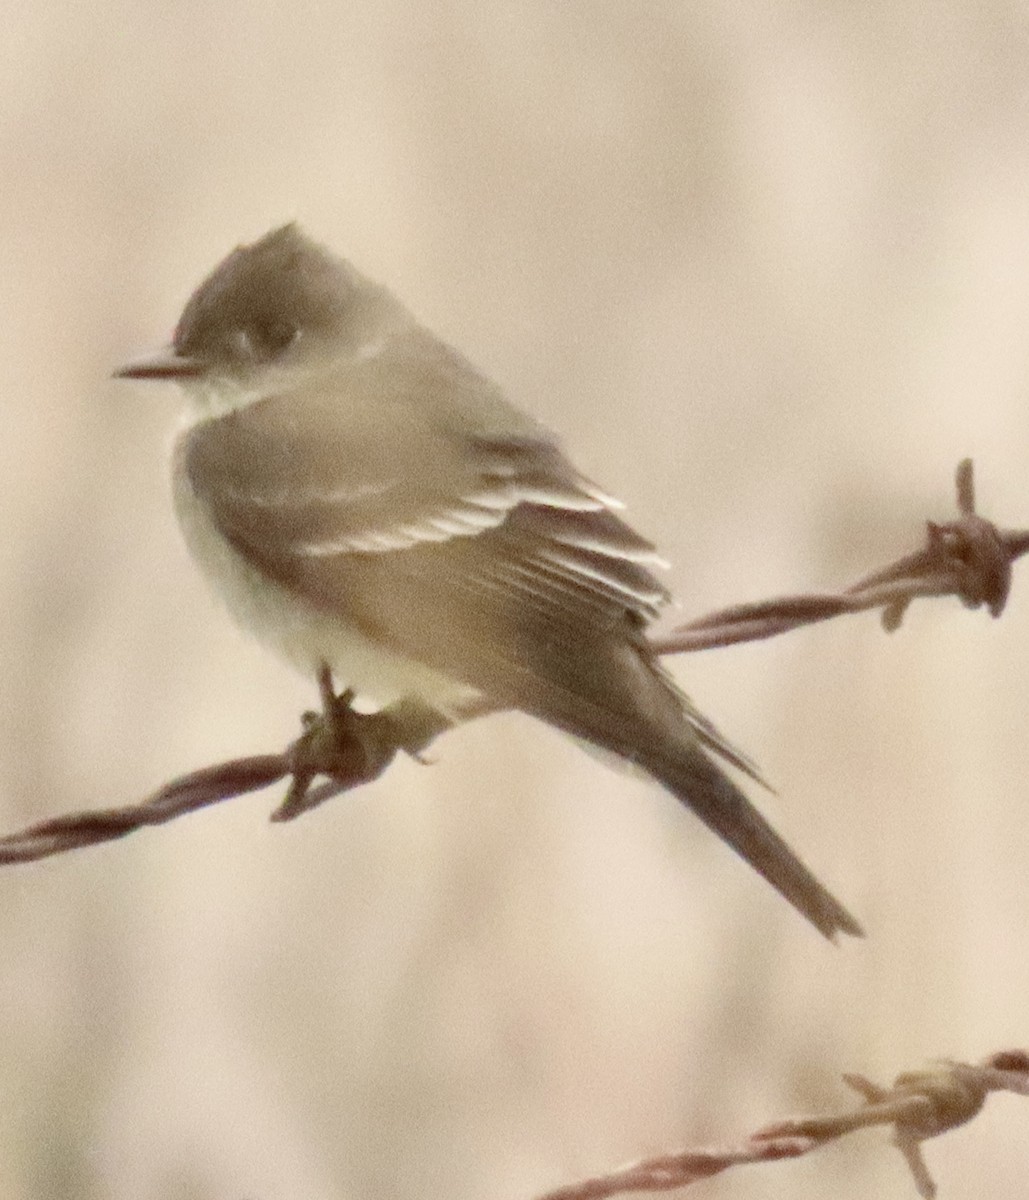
[[349, 748]]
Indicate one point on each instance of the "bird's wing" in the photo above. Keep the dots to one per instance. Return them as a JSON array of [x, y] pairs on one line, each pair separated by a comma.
[[473, 546]]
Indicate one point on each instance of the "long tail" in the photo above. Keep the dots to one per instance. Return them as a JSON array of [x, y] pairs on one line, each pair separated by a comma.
[[700, 784], [615, 696]]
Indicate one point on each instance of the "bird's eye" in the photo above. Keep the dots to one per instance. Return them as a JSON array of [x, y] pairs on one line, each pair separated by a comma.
[[273, 337], [262, 341]]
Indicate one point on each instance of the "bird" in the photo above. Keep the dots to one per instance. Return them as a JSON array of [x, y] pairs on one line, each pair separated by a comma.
[[366, 501]]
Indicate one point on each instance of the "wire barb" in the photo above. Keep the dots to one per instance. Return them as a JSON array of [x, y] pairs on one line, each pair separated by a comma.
[[919, 1105], [969, 558]]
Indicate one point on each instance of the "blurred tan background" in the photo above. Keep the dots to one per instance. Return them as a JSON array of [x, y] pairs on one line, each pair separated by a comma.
[[767, 269]]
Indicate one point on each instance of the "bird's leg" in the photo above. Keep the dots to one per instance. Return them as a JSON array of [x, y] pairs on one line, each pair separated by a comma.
[[337, 711]]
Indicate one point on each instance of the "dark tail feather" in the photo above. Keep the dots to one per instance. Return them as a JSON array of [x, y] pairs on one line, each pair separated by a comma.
[[695, 780]]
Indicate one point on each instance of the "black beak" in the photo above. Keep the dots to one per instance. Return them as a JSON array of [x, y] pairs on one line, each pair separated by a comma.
[[161, 364]]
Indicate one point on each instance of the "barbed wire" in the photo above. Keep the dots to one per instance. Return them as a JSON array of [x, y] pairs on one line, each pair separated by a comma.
[[969, 558], [919, 1105]]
